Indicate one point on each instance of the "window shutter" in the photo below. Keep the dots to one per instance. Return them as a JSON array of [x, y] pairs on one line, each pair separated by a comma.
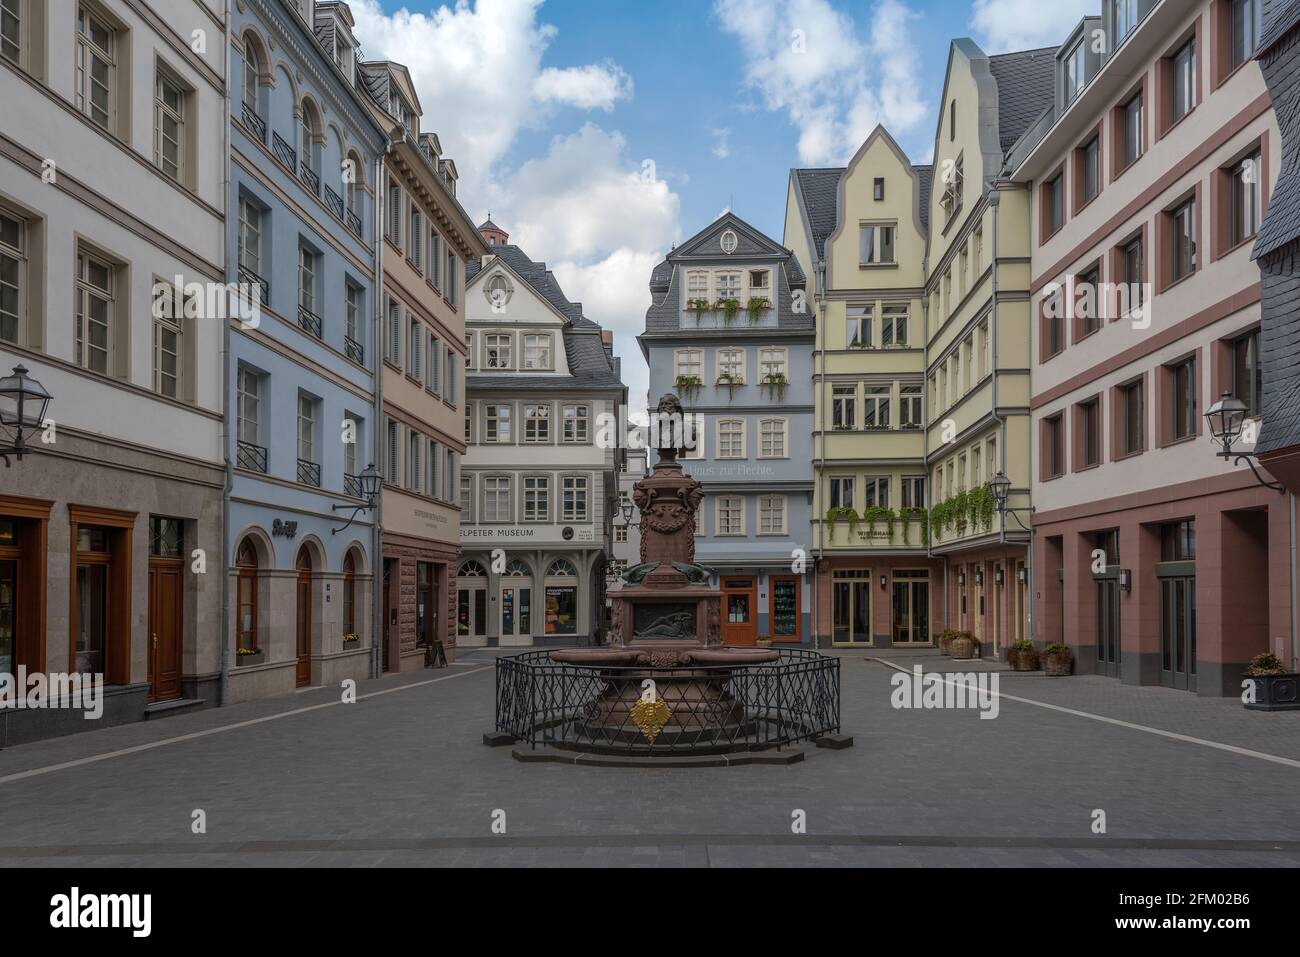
[[395, 332], [431, 485], [394, 453]]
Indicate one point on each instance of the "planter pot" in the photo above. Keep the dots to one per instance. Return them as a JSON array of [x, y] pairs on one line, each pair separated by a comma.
[[254, 659], [764, 642], [945, 645], [1057, 666], [1023, 660], [962, 648], [1275, 692]]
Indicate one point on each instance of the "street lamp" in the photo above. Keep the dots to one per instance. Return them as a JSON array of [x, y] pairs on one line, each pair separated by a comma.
[[625, 508], [1227, 421], [1001, 486], [369, 482], [23, 402]]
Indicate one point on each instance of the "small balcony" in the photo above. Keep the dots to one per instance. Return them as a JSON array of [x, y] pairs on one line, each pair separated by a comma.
[[254, 122], [309, 473], [251, 457], [285, 153], [354, 223], [334, 201], [309, 322], [352, 485], [250, 278], [310, 179], [354, 350]]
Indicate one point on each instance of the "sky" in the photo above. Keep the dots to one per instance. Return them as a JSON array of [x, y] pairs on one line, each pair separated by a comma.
[[598, 133]]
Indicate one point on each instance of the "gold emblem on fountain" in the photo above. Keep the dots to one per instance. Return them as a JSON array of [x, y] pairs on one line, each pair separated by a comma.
[[650, 714]]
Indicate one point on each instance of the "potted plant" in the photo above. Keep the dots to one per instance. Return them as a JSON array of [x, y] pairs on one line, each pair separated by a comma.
[[248, 656], [1275, 688], [765, 641], [730, 307], [945, 640], [754, 306], [776, 383], [835, 513], [1023, 656], [699, 307], [1058, 660], [351, 639], [963, 645], [730, 381], [687, 385]]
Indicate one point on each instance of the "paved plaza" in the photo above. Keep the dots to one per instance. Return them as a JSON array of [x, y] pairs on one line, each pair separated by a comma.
[[402, 778]]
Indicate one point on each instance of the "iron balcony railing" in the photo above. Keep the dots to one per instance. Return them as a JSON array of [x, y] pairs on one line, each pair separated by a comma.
[[334, 201], [354, 223], [247, 275], [352, 485], [355, 350], [715, 708], [309, 321], [309, 178], [309, 473], [251, 457], [254, 122], [285, 153]]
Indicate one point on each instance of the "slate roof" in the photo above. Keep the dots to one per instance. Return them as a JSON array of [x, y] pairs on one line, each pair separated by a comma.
[[1279, 17], [926, 173], [1026, 87], [541, 279], [488, 224], [820, 189], [1281, 223]]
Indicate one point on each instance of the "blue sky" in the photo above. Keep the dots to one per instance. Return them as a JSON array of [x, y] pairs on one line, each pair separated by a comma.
[[600, 132]]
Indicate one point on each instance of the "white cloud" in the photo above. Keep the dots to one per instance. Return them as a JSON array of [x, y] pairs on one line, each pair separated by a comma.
[[805, 57], [1003, 25], [591, 87], [721, 142]]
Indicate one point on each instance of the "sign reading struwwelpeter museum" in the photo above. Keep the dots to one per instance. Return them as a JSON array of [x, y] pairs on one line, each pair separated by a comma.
[[541, 534]]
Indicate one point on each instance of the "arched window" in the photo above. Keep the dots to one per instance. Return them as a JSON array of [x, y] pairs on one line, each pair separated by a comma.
[[517, 569], [303, 564], [471, 569], [353, 177], [562, 568], [246, 596], [252, 71], [349, 594], [310, 130]]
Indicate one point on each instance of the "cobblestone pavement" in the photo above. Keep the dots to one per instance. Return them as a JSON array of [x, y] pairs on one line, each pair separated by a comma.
[[402, 778]]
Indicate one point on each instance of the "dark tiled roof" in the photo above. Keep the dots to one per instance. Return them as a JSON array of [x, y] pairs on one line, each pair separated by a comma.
[[539, 277], [820, 189], [924, 174], [1281, 223], [488, 224], [1280, 353], [1026, 81], [1279, 17]]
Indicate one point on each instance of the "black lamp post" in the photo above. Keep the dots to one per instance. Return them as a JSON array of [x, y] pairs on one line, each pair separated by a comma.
[[369, 480], [1001, 486], [626, 509], [23, 402], [1227, 419]]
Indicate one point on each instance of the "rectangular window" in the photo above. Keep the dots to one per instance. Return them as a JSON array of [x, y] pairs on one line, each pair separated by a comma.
[[771, 515], [452, 278], [496, 498], [771, 363], [731, 439], [875, 492], [249, 406], [1087, 300], [1244, 202], [436, 361], [1178, 541], [858, 329], [414, 460], [13, 276], [169, 126], [537, 498], [1182, 81], [351, 446], [1123, 18], [697, 285], [1245, 23], [878, 188], [435, 259], [306, 279], [498, 350], [10, 30], [307, 431], [576, 423], [875, 407], [731, 515], [1134, 128], [1133, 410], [893, 324], [467, 500], [1075, 71], [497, 423], [416, 252], [1054, 446], [394, 224], [1054, 204], [393, 460], [844, 406], [1182, 240], [728, 285], [1089, 420], [1133, 274], [94, 315], [841, 492], [875, 244], [913, 489], [537, 423], [1090, 160], [1182, 399], [689, 364], [1247, 383], [352, 313], [95, 76], [537, 351], [574, 499], [250, 236], [772, 438], [909, 406], [167, 353], [395, 332], [731, 365]]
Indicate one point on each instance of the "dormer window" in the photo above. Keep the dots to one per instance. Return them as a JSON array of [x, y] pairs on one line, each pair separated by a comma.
[[759, 281], [1075, 75], [398, 108], [497, 351]]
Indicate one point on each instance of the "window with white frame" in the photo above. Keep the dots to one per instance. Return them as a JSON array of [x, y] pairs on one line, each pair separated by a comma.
[[577, 423], [95, 67], [772, 436], [689, 363], [537, 498], [844, 406], [307, 279], [697, 285], [909, 406], [306, 428], [434, 272], [772, 361], [875, 407], [574, 499], [496, 420], [913, 491], [169, 126], [167, 355], [393, 226], [352, 312], [731, 365], [537, 351], [498, 350], [760, 283], [876, 244], [858, 327], [693, 435], [731, 439], [537, 424], [875, 491], [13, 277], [728, 285], [496, 498], [466, 499], [893, 324], [249, 408], [94, 314], [11, 30], [771, 515], [730, 515], [250, 235], [839, 491], [469, 350]]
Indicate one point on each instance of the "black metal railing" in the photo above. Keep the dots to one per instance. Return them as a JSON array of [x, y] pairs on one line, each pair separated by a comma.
[[309, 178], [354, 223], [334, 201], [285, 153], [352, 485], [710, 709], [309, 473], [354, 350], [251, 457], [247, 275], [309, 321], [254, 122]]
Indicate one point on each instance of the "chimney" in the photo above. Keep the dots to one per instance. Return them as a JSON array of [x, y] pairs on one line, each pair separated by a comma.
[[607, 340], [493, 234]]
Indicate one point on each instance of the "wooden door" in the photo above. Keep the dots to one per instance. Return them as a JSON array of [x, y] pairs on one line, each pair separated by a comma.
[[165, 603], [304, 619], [739, 612]]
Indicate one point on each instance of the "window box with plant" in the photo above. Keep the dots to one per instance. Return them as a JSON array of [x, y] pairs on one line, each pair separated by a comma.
[[775, 383], [730, 381], [249, 656], [699, 307], [687, 386], [350, 640], [873, 514], [755, 306], [1058, 660], [1275, 688], [914, 513], [835, 514], [1022, 656]]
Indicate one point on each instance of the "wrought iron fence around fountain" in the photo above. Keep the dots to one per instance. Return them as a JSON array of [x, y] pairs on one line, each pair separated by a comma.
[[548, 704]]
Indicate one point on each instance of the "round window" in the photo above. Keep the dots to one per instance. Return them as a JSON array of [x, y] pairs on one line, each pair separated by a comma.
[[729, 242]]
